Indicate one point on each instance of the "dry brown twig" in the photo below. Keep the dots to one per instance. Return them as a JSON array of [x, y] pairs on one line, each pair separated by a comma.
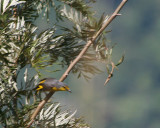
[[88, 44], [110, 74]]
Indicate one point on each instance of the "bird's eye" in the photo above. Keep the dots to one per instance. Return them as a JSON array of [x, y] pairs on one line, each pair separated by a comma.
[[66, 87]]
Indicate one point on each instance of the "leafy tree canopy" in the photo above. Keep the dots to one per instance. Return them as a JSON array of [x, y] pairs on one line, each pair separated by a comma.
[[23, 53]]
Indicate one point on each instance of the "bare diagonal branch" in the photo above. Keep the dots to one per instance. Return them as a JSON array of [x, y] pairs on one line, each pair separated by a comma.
[[73, 63]]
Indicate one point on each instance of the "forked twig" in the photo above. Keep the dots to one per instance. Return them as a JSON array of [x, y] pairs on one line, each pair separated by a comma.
[[110, 74]]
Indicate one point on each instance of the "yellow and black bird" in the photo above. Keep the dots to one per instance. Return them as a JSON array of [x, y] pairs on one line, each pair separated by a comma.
[[52, 84]]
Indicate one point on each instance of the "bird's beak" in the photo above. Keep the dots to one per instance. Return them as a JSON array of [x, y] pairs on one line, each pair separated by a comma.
[[69, 91]]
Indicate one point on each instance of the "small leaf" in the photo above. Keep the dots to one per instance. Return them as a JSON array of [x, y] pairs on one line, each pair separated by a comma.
[[120, 61], [5, 4], [25, 75], [15, 2]]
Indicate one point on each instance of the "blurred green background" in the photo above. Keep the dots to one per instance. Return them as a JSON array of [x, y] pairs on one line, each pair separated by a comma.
[[132, 97]]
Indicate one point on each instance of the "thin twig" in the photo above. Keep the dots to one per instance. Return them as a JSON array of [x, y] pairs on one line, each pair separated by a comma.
[[88, 44], [110, 74]]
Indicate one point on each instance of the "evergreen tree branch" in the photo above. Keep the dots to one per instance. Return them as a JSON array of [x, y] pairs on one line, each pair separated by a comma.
[[73, 63]]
